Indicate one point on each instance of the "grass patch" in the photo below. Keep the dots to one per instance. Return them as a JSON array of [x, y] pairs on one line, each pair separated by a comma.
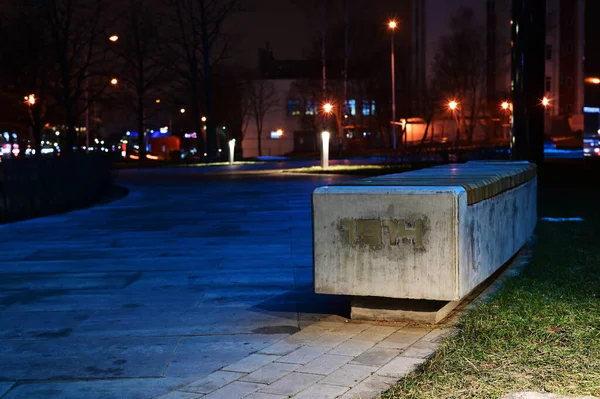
[[541, 331], [367, 170], [172, 164]]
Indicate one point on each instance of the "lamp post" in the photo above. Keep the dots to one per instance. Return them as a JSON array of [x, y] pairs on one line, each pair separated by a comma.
[[231, 151], [325, 150], [507, 108], [453, 107], [392, 25]]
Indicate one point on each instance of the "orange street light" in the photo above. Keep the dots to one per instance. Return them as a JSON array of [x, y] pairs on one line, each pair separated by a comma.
[[113, 38], [594, 80], [545, 101], [182, 110], [30, 99], [505, 105], [327, 107], [158, 100], [114, 81], [392, 24], [452, 105]]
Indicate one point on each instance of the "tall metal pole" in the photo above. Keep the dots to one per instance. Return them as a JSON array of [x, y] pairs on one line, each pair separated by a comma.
[[87, 114], [393, 96]]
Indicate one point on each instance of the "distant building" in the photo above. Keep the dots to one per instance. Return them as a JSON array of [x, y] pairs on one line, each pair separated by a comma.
[[564, 80]]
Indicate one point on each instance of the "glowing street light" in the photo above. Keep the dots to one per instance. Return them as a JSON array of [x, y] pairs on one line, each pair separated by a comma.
[[114, 81], [328, 107], [505, 105], [545, 101], [182, 110], [203, 119], [325, 150], [158, 100], [30, 99], [113, 38], [452, 105], [231, 150], [594, 80], [392, 24]]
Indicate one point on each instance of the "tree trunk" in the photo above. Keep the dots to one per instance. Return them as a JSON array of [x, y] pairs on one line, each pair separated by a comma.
[[141, 127], [211, 131]]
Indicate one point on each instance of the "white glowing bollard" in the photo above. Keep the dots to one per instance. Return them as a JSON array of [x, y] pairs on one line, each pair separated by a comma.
[[231, 150], [325, 150]]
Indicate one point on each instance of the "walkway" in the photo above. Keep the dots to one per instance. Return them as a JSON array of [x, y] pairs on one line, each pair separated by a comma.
[[186, 275]]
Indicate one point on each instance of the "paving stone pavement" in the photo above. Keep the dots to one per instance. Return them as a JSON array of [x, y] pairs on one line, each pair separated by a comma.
[[191, 286], [312, 365]]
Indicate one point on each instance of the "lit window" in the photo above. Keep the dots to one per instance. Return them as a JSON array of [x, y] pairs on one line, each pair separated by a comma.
[[293, 107], [351, 107], [368, 107], [310, 108]]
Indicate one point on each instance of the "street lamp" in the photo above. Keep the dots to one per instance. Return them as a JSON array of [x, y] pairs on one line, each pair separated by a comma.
[[182, 110], [328, 107], [114, 81], [158, 100], [453, 107], [325, 150], [30, 99], [593, 80], [203, 119], [113, 38], [505, 105], [545, 102], [392, 25]]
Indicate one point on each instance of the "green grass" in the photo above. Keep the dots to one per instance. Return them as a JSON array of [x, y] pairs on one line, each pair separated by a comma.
[[173, 164], [367, 170], [541, 331]]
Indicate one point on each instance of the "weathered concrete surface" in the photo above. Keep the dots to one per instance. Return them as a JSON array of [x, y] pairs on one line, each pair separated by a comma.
[[537, 395], [186, 275], [400, 270], [413, 242], [393, 309]]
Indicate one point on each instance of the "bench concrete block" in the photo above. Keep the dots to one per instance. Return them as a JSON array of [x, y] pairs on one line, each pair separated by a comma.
[[415, 242], [387, 241]]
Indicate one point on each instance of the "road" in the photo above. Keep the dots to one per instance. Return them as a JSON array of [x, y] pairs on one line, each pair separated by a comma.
[[188, 273]]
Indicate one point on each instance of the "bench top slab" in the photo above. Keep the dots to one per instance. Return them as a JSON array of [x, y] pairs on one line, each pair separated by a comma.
[[480, 179]]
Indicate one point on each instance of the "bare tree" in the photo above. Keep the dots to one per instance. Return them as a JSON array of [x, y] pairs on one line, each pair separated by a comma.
[[28, 73], [143, 67], [260, 98], [459, 69], [201, 45], [77, 33]]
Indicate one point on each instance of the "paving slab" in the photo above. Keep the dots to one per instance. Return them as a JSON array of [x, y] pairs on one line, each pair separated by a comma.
[[304, 354], [325, 364], [212, 382], [180, 395], [4, 387], [349, 375], [375, 357], [135, 388], [270, 373], [235, 390], [321, 391], [292, 383], [400, 366]]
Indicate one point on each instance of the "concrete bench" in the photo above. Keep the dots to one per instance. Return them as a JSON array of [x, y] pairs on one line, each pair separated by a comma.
[[410, 246]]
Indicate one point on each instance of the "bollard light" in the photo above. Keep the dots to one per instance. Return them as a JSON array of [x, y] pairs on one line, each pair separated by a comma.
[[231, 150], [325, 150]]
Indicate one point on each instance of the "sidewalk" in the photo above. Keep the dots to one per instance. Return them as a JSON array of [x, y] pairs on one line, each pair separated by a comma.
[[329, 359]]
